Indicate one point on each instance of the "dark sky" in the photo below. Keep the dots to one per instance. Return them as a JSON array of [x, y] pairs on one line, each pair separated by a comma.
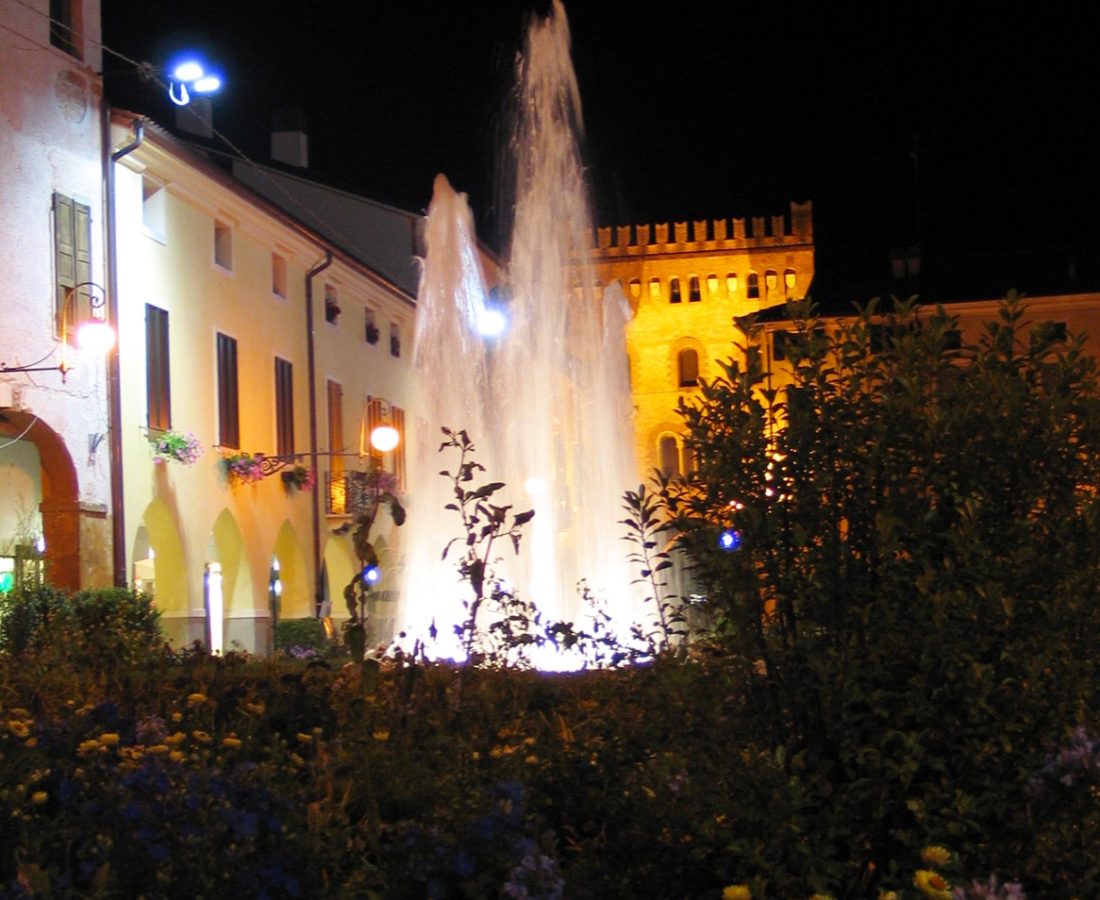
[[693, 110]]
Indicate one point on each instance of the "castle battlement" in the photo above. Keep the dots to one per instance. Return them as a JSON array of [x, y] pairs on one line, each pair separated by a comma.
[[708, 235]]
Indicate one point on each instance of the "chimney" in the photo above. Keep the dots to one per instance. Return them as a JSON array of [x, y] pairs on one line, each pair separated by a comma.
[[289, 141]]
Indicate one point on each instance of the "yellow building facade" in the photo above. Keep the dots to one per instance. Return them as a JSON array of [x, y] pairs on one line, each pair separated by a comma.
[[241, 327], [686, 282]]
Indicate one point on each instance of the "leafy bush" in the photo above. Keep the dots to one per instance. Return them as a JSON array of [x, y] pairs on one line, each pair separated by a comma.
[[910, 595], [302, 634]]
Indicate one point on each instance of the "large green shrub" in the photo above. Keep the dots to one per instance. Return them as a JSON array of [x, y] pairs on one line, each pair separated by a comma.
[[908, 584]]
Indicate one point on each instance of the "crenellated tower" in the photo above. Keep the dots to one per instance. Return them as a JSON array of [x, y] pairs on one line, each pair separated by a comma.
[[686, 281]]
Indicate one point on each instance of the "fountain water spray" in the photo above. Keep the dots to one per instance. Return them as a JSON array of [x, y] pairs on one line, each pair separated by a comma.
[[547, 400]]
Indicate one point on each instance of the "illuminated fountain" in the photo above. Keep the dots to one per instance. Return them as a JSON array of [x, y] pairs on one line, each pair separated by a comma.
[[547, 400]]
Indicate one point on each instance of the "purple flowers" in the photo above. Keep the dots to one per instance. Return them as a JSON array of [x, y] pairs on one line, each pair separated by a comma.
[[246, 467], [171, 446]]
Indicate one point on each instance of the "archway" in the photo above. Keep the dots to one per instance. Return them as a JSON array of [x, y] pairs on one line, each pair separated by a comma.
[[161, 567], [296, 600], [229, 597], [59, 506]]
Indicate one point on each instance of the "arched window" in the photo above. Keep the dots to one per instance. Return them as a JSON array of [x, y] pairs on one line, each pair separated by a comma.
[[688, 365], [635, 288], [771, 280], [731, 283], [674, 290], [689, 460], [789, 279], [654, 288], [754, 286], [668, 451], [693, 290]]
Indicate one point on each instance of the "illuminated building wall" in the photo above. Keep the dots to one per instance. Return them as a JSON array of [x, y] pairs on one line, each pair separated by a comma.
[[54, 473], [685, 283], [212, 293]]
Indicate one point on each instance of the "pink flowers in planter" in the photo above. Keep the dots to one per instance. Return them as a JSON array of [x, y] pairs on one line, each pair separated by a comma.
[[171, 446], [244, 467]]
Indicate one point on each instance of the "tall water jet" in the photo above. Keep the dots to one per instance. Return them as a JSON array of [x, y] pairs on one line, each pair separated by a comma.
[[547, 402]]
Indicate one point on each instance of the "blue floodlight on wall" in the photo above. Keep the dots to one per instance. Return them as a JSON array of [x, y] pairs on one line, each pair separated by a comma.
[[189, 76]]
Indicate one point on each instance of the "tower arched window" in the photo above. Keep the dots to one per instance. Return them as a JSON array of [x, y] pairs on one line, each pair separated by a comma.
[[789, 280], [687, 364], [693, 290], [635, 288], [668, 451], [731, 283], [654, 288], [754, 286], [771, 280], [674, 290]]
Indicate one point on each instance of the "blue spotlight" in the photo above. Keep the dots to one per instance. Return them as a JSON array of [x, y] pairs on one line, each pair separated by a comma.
[[729, 539]]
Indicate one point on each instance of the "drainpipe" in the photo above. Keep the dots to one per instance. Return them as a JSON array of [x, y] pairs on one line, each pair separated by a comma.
[[318, 585], [114, 391]]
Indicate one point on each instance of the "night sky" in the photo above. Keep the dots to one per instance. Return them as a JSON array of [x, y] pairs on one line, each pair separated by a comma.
[[693, 110]]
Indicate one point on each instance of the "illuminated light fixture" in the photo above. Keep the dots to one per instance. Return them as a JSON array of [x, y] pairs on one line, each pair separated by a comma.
[[94, 336], [372, 574], [384, 438], [190, 77], [492, 322], [729, 539]]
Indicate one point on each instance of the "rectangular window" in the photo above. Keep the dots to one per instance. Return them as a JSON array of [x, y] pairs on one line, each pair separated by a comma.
[[278, 275], [153, 197], [158, 386], [284, 407], [335, 393], [229, 427], [332, 304], [223, 246], [395, 339], [65, 26], [370, 331], [72, 223]]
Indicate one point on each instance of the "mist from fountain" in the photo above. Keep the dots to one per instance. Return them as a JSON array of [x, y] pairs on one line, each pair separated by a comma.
[[547, 403]]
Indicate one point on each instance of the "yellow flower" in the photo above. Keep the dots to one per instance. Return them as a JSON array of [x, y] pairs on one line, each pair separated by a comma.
[[935, 855], [19, 729], [888, 895], [297, 760], [195, 699], [177, 716], [381, 734], [110, 739], [87, 747], [531, 759], [177, 756], [304, 738], [231, 742], [736, 892], [932, 884], [31, 742], [157, 749], [175, 739], [201, 736], [39, 797], [256, 709]]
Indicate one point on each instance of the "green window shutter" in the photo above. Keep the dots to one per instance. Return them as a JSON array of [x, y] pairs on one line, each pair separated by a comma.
[[72, 260]]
